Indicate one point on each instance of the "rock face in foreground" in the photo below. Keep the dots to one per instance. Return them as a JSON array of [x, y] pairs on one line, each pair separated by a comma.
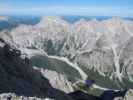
[[129, 95], [12, 96], [18, 76]]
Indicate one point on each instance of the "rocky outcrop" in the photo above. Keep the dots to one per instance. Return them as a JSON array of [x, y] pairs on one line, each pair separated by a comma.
[[129, 95], [18, 76], [76, 95], [57, 80], [12, 96]]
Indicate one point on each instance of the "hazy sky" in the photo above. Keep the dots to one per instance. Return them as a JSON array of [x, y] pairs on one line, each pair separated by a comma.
[[67, 7]]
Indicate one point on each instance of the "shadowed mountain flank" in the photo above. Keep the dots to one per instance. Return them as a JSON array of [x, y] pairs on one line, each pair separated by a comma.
[[18, 76]]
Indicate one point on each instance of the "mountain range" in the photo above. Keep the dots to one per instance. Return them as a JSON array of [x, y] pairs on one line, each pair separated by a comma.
[[86, 49]]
